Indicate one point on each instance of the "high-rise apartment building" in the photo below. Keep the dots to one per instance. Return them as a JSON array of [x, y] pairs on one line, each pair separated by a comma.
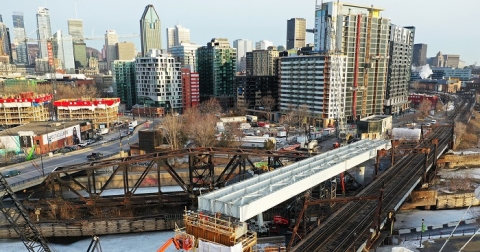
[[44, 31], [125, 51], [419, 55], [111, 40], [262, 62], [75, 29], [63, 51], [243, 46], [399, 67], [216, 65], [362, 34], [19, 40], [251, 90], [316, 81], [150, 30], [185, 53], [190, 89], [296, 33], [177, 35], [263, 44], [124, 82], [159, 82]]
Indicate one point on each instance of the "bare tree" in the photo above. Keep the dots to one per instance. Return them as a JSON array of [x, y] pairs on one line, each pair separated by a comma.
[[439, 106], [459, 131], [240, 109], [289, 119], [302, 112], [211, 106], [200, 127], [423, 108], [268, 103], [172, 126], [415, 85]]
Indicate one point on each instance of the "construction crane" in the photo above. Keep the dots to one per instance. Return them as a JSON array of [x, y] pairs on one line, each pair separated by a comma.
[[337, 83], [86, 38], [18, 218]]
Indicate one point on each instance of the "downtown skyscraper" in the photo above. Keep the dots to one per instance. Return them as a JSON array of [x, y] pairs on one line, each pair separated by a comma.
[[177, 35], [243, 46], [150, 30], [44, 31], [20, 38], [63, 51], [111, 40], [75, 29], [296, 33]]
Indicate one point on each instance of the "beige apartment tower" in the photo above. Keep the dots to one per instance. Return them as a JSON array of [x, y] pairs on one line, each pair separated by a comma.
[[125, 51]]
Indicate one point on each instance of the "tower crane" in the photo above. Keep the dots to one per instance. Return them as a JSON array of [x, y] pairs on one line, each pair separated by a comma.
[[87, 38], [18, 218]]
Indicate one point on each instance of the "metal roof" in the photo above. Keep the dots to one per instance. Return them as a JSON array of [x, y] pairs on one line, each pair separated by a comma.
[[250, 197]]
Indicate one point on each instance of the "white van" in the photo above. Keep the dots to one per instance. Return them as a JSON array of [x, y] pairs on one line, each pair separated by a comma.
[[433, 122]]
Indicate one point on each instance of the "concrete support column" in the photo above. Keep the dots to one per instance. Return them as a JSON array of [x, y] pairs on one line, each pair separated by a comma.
[[360, 174], [260, 219]]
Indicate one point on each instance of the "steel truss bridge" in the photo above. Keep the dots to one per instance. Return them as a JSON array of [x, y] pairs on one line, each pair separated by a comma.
[[80, 185]]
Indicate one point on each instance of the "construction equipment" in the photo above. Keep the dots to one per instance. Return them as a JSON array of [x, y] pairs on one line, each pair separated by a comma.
[[94, 245], [180, 240], [18, 218], [88, 38]]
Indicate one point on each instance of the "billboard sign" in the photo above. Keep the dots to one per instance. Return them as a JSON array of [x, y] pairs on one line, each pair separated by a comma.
[[50, 53], [60, 134]]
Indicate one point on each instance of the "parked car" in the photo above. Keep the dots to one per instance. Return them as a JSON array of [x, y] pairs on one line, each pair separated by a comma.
[[83, 144], [90, 141], [11, 173]]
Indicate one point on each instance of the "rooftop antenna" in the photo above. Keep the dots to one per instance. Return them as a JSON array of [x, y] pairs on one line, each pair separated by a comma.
[[76, 17]]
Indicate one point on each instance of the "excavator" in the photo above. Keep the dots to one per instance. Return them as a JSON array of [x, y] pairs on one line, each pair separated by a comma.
[[181, 240]]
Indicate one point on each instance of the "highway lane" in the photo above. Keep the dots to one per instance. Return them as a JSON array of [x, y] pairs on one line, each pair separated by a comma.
[[33, 169]]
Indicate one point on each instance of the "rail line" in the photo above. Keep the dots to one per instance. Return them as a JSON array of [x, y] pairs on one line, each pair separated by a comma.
[[349, 227]]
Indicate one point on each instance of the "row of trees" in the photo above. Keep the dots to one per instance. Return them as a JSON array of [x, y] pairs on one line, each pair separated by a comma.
[[198, 125], [61, 92]]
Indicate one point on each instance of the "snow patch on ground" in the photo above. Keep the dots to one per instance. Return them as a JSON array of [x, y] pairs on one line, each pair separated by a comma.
[[413, 218], [148, 241]]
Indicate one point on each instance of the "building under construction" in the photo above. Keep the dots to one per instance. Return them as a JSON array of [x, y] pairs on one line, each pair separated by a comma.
[[23, 108], [102, 112], [362, 34]]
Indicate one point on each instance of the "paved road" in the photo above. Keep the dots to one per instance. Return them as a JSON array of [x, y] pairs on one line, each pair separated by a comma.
[[33, 169]]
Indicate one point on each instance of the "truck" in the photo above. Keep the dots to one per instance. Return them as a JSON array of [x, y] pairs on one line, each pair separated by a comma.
[[133, 124], [95, 156], [103, 131]]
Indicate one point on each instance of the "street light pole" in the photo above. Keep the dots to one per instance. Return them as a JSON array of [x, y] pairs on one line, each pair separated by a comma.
[[48, 139]]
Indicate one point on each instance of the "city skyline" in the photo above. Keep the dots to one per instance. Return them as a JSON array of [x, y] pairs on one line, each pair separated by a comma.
[[199, 18]]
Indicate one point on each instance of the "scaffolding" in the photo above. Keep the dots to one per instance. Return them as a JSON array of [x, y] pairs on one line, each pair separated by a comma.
[[219, 229], [100, 111], [24, 108]]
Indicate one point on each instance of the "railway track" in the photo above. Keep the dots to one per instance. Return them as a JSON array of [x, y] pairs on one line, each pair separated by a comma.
[[349, 227]]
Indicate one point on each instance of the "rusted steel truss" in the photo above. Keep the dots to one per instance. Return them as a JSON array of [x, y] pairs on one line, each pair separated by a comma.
[[91, 183]]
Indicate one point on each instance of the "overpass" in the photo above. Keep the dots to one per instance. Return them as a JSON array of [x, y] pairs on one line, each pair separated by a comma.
[[251, 197]]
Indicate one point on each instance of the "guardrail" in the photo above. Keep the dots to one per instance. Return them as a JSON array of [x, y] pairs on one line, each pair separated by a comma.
[[28, 180]]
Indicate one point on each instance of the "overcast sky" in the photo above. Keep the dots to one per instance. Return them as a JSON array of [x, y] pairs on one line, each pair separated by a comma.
[[445, 26]]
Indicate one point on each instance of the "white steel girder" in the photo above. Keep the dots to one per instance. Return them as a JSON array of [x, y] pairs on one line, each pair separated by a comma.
[[250, 197]]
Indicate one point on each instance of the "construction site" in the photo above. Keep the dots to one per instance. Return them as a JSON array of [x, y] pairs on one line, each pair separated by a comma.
[[18, 109], [102, 112]]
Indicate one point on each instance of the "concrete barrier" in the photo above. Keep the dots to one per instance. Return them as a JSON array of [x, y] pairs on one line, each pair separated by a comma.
[[470, 221], [404, 231], [452, 224]]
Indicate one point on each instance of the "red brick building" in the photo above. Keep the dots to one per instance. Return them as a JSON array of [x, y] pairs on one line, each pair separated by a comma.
[[416, 99], [190, 89]]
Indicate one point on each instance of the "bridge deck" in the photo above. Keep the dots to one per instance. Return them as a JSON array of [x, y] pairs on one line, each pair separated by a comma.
[[251, 197]]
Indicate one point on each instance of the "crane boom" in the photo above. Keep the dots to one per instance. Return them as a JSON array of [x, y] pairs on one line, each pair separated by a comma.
[[87, 38], [18, 218]]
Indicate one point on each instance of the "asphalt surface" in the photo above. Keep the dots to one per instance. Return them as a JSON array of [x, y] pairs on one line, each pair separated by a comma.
[[33, 168]]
